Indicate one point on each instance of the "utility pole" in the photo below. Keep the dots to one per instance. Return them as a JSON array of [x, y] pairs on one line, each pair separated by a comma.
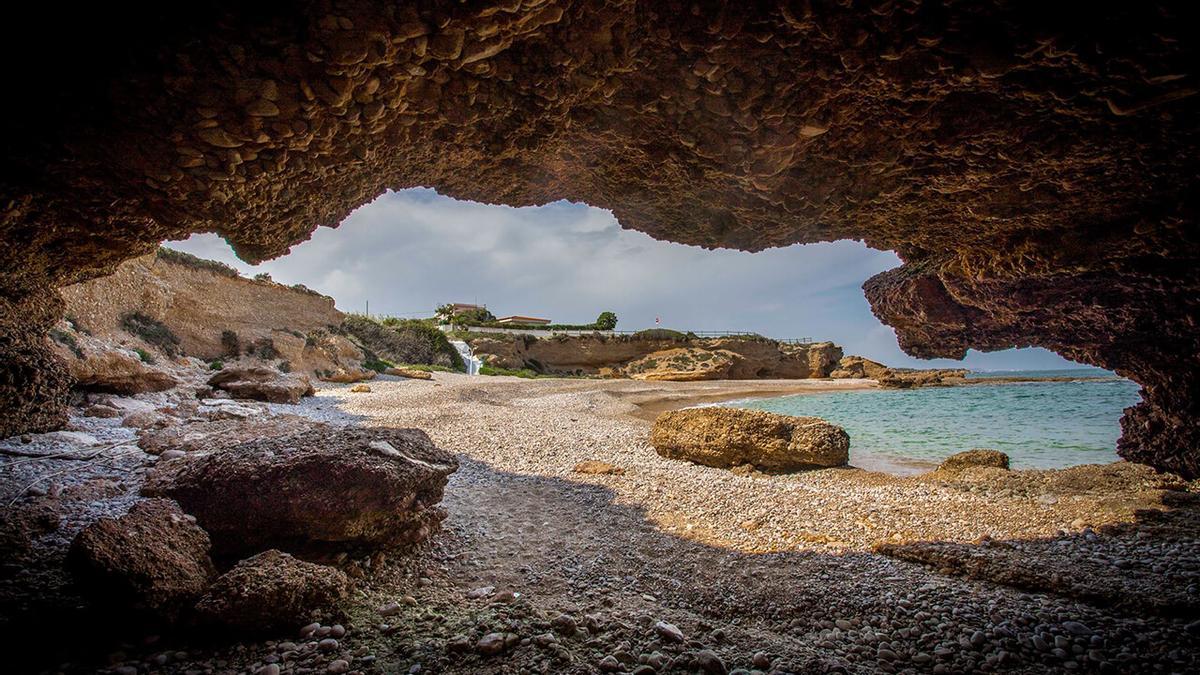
[[368, 309]]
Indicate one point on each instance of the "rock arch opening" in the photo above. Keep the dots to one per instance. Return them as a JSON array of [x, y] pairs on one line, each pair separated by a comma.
[[1033, 167]]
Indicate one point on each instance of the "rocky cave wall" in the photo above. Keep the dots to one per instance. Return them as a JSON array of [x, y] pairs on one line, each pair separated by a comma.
[[1033, 164]]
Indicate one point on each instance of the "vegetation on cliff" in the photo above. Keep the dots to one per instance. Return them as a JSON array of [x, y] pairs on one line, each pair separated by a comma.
[[397, 341]]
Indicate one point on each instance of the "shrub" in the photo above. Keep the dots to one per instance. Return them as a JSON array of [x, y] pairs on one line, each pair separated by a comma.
[[606, 321], [79, 327], [67, 340], [144, 355], [523, 372], [189, 260], [152, 331], [377, 364], [265, 349], [231, 344], [403, 341], [263, 277], [303, 289], [216, 364], [659, 334]]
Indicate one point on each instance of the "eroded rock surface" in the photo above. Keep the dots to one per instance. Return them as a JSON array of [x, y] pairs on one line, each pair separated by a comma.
[[262, 384], [273, 591], [153, 559], [729, 437], [1033, 165], [314, 493]]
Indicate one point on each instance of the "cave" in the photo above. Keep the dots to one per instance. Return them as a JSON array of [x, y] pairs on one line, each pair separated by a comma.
[[1034, 166]]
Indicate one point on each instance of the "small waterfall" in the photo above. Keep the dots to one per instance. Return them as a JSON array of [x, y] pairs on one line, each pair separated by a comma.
[[468, 357]]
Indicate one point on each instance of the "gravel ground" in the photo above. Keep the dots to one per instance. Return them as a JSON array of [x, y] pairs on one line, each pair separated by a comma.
[[778, 565], [671, 567]]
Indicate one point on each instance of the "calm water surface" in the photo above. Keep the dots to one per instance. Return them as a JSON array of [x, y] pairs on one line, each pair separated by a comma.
[[1039, 424]]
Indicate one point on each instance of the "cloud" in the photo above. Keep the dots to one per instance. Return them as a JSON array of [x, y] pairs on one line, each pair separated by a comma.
[[409, 251]]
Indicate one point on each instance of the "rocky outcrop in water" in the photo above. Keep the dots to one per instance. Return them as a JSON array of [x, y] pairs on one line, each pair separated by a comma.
[[972, 458], [731, 437], [313, 493], [1032, 165]]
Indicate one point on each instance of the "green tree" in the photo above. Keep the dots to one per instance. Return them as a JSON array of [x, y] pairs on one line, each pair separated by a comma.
[[606, 321]]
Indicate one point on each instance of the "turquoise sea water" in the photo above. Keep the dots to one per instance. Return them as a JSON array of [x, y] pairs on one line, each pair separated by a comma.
[[1039, 424]]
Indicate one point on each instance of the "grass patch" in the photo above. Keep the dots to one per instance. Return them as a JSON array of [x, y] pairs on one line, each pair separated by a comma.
[[426, 368], [377, 364], [216, 364], [144, 356], [523, 372], [152, 331]]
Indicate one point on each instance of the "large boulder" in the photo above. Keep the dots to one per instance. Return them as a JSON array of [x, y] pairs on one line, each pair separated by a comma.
[[262, 384], [858, 367], [273, 591], [978, 457], [314, 493], [730, 437], [153, 560]]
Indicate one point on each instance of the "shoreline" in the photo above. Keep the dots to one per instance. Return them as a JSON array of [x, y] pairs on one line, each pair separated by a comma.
[[649, 404]]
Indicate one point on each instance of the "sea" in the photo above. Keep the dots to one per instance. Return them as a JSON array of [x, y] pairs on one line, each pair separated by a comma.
[[1045, 422]]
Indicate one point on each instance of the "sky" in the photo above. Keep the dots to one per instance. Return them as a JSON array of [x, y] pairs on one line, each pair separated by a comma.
[[410, 251]]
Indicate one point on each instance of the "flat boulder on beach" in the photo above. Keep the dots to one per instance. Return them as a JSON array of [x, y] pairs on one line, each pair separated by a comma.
[[313, 493], [730, 437]]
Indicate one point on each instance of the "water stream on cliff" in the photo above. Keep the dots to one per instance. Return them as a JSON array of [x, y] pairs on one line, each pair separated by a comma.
[[1046, 424]]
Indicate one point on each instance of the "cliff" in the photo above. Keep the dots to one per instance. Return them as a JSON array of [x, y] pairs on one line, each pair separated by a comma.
[[651, 358], [197, 302]]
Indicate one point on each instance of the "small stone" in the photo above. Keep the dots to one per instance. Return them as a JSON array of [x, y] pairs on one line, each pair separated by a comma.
[[481, 592], [269, 669], [610, 664], [390, 609], [761, 661], [338, 666], [360, 389], [843, 624], [1076, 628], [494, 643], [668, 632], [506, 597], [337, 630], [708, 661], [327, 645], [978, 639], [564, 624]]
